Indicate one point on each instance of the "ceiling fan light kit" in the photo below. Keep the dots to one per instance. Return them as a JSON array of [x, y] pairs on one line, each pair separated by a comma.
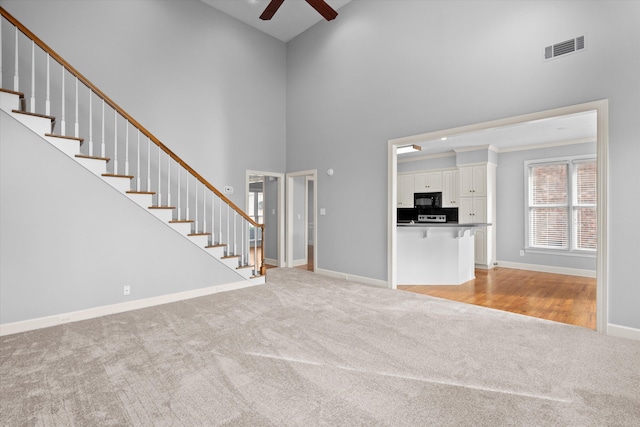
[[319, 5]]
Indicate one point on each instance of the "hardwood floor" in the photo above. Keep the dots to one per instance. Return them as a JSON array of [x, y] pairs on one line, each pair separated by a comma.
[[558, 297]]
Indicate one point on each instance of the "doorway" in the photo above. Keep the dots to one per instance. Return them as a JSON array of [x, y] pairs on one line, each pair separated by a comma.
[[302, 230], [265, 204], [601, 109]]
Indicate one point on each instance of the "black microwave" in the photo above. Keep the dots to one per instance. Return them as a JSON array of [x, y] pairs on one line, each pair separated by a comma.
[[427, 201]]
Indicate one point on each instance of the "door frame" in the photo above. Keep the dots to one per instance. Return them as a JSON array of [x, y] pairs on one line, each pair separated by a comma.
[[280, 204], [310, 175], [602, 152]]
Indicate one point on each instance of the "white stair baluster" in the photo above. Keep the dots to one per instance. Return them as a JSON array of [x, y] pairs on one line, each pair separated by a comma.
[[148, 164], [228, 240], [159, 179], [255, 257], [213, 218], [195, 190], [16, 77], [179, 191], [32, 101], [168, 180], [186, 195], [103, 146], [126, 148], [63, 126], [235, 233], [76, 125], [220, 234], [47, 102], [0, 51], [242, 259], [138, 174], [90, 116], [204, 208], [115, 141]]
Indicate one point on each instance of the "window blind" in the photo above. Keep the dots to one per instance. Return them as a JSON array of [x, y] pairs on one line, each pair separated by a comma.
[[549, 207]]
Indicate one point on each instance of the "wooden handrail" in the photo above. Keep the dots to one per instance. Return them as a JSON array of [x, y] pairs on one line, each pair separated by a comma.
[[124, 114]]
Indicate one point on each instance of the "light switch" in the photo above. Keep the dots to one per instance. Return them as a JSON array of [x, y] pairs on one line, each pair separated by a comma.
[[273, 211], [299, 216], [323, 211]]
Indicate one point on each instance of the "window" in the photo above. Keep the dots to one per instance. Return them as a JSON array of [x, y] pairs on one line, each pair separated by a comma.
[[561, 205]]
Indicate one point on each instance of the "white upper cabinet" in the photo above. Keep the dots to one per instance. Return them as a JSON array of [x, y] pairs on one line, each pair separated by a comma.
[[405, 190], [426, 182], [450, 188], [473, 181]]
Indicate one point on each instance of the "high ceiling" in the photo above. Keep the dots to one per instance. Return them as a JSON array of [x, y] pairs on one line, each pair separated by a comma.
[[293, 17]]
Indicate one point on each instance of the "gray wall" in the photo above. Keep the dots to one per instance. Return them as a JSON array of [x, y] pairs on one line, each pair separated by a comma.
[[209, 87], [388, 69], [71, 242]]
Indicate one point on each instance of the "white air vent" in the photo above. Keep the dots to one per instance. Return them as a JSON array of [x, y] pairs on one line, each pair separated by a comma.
[[564, 48]]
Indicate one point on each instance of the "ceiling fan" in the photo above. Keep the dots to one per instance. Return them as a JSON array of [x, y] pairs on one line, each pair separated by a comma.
[[320, 5]]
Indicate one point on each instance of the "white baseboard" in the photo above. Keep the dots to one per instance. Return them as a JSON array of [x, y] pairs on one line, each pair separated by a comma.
[[548, 269], [271, 261], [299, 262], [623, 332], [75, 316], [352, 278]]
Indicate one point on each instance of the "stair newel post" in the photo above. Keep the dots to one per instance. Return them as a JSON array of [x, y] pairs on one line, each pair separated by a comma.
[[126, 147], [76, 125], [47, 101], [115, 141], [32, 101], [262, 268], [16, 77], [63, 124]]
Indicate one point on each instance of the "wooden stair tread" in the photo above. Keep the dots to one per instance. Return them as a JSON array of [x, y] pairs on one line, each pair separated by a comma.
[[20, 94], [141, 192], [219, 245], [180, 221], [113, 175], [199, 234], [73, 138], [230, 256], [162, 207], [53, 119], [244, 266], [83, 156]]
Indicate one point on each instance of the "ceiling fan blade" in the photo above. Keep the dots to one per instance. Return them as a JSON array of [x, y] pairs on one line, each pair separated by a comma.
[[271, 9], [323, 9]]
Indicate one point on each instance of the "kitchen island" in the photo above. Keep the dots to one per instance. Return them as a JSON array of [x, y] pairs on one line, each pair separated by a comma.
[[436, 253]]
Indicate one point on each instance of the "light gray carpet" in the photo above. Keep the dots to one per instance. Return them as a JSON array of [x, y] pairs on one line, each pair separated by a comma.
[[306, 350]]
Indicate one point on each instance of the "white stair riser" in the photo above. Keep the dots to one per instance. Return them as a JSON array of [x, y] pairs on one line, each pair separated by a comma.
[[144, 200], [121, 184], [39, 125], [245, 272], [200, 241], [9, 102], [231, 262], [165, 215], [70, 147], [216, 252], [183, 228], [97, 167], [261, 280]]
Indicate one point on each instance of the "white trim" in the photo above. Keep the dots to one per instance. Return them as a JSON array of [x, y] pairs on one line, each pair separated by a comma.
[[105, 310], [299, 262], [602, 110], [271, 261], [623, 332], [545, 145], [311, 175], [352, 278], [547, 269], [427, 157]]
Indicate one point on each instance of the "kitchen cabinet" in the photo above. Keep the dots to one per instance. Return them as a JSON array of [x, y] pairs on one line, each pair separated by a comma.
[[477, 203], [450, 188], [473, 180], [427, 182], [405, 190]]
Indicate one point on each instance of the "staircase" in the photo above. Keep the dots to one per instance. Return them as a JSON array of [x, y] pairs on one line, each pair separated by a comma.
[[119, 151]]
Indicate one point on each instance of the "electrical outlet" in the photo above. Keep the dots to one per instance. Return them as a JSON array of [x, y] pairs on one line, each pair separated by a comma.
[[521, 252], [127, 290]]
